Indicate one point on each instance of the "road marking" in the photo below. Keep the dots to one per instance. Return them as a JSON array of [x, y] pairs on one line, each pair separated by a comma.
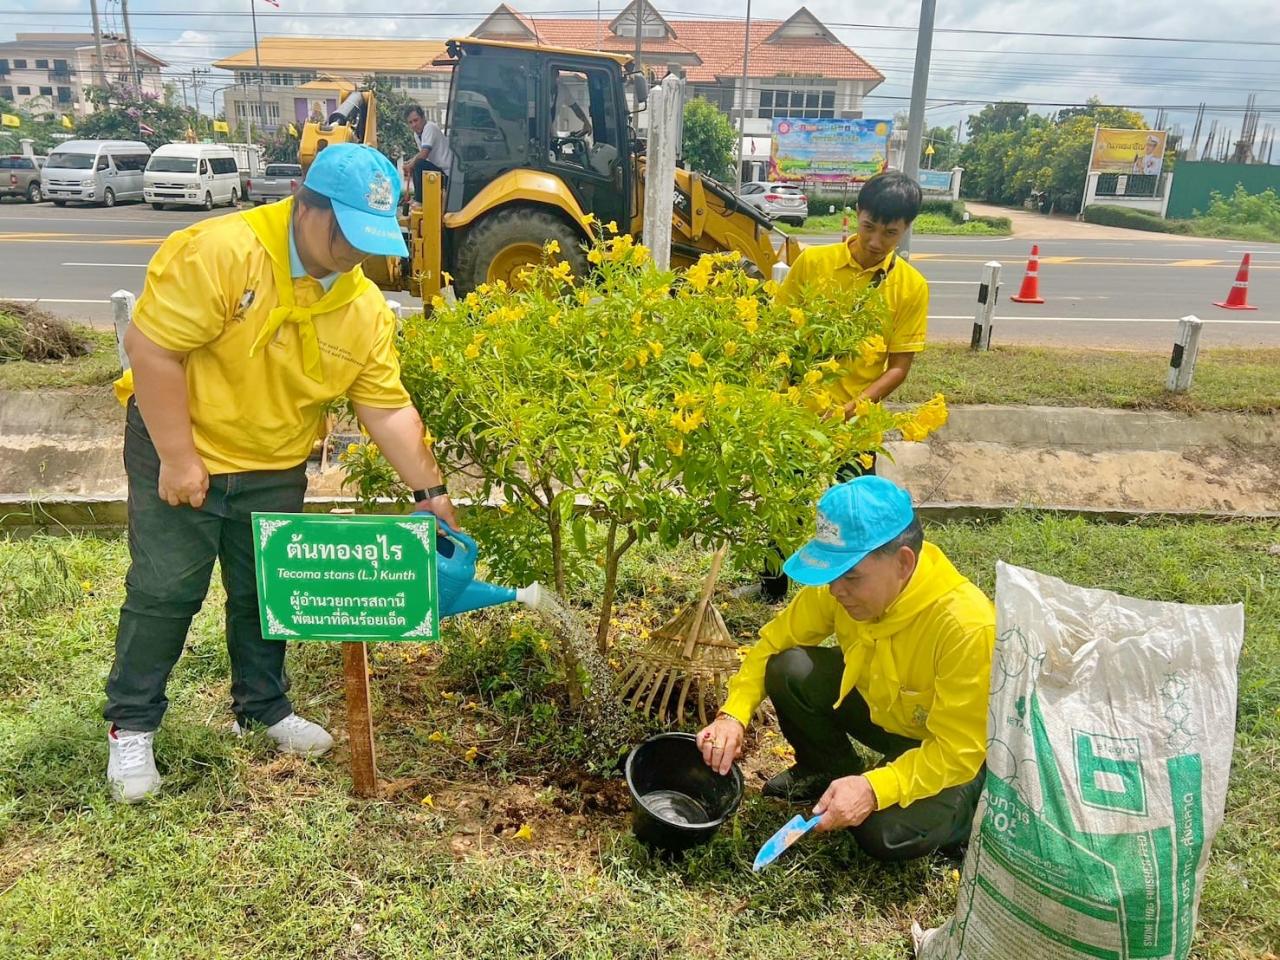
[[1060, 259], [1196, 263], [140, 266], [1003, 318]]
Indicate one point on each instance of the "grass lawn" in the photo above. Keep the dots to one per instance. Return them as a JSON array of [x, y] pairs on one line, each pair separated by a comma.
[[247, 855], [1228, 379], [99, 367], [926, 223]]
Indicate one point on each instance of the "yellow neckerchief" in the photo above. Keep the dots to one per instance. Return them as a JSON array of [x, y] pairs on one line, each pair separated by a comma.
[[934, 577], [270, 224]]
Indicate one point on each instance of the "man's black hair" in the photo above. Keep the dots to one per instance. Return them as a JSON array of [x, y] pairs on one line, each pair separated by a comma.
[[306, 197], [410, 110], [912, 537], [890, 196]]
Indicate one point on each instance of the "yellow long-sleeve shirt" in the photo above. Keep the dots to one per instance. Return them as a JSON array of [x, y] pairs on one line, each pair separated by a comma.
[[924, 668]]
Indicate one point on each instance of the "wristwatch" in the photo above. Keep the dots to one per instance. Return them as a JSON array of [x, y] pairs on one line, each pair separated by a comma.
[[439, 490]]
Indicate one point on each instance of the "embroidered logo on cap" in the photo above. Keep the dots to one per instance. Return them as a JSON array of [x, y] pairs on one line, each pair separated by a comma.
[[379, 195], [828, 532]]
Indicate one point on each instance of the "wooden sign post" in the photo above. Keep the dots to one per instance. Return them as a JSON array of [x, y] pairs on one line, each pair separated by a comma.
[[352, 579]]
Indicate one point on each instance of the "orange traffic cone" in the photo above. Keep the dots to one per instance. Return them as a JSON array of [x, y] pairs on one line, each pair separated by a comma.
[[1238, 298], [1030, 292]]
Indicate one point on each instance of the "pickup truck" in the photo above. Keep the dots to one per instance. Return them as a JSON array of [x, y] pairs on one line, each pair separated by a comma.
[[20, 177], [278, 181]]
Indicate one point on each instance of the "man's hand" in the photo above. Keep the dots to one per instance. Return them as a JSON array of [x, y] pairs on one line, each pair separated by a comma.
[[443, 508], [847, 802], [721, 743], [184, 481]]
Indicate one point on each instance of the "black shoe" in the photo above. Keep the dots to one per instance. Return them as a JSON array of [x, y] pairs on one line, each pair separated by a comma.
[[796, 786]]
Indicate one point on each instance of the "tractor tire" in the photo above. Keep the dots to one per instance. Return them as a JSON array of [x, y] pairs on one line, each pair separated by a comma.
[[499, 245]]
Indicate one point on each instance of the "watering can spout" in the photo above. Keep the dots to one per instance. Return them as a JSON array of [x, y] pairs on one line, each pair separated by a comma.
[[474, 596], [460, 591]]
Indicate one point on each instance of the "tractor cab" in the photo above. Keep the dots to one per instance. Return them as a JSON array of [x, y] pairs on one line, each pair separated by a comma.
[[561, 113]]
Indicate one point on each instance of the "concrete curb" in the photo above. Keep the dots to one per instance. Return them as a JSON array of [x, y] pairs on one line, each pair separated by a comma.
[[85, 514]]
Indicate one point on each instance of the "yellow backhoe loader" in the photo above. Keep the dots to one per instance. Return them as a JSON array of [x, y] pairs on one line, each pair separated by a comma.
[[543, 139]]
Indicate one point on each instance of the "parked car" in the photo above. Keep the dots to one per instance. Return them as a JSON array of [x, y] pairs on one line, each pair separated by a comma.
[[95, 171], [192, 174], [778, 201], [20, 177], [278, 181]]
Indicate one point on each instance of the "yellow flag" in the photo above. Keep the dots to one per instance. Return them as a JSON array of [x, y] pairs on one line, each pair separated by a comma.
[[293, 131], [66, 121], [220, 126], [9, 120]]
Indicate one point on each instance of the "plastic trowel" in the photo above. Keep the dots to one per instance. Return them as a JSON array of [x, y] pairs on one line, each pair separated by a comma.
[[777, 845]]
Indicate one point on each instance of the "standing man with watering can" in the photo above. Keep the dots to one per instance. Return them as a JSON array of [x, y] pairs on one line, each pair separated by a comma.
[[248, 325], [909, 679]]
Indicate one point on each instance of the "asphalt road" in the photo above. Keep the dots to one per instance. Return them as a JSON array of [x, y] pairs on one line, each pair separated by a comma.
[[1098, 291]]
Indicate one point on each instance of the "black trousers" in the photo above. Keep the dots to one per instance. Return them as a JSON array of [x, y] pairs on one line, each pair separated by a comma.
[[171, 552], [773, 582], [421, 167], [803, 683]]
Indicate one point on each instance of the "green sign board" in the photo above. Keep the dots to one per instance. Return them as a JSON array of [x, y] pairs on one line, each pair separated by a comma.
[[325, 577]]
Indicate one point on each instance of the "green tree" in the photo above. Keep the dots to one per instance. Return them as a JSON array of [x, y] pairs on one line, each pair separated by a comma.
[[126, 113], [37, 121], [946, 151], [1012, 154], [395, 136], [709, 139]]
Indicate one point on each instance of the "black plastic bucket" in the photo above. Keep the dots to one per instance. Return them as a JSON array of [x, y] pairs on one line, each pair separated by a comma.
[[677, 801]]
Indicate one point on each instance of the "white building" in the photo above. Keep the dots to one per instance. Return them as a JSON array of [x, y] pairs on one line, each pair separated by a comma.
[[54, 70]]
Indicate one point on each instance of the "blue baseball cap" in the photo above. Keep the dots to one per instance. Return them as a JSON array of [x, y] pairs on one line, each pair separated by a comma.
[[854, 518], [364, 188]]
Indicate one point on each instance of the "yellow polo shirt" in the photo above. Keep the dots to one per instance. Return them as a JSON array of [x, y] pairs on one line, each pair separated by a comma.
[[906, 294], [923, 667], [208, 293]]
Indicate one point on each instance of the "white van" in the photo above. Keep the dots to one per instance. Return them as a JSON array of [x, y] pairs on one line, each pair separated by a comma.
[[192, 174], [95, 171]]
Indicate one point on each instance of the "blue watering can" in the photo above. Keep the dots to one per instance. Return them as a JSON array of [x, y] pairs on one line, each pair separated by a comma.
[[460, 591]]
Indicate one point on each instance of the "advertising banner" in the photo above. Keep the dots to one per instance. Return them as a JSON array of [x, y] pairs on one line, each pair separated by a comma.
[[1128, 151], [829, 150]]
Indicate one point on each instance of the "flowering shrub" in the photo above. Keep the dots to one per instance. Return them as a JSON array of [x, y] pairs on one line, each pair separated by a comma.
[[659, 405]]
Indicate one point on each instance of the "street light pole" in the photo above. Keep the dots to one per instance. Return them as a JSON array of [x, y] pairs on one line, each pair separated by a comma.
[[257, 59], [742, 97], [919, 93], [97, 44]]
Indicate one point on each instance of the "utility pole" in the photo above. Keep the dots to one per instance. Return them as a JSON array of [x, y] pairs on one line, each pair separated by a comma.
[[639, 8], [128, 37], [919, 93], [742, 97], [257, 60], [97, 43], [183, 82]]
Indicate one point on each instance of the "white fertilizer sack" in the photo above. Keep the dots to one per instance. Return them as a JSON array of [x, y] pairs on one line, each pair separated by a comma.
[[1109, 739]]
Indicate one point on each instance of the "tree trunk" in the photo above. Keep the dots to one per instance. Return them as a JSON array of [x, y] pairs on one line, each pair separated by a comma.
[[611, 559]]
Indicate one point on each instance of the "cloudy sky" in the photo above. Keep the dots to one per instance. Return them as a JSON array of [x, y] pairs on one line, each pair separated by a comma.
[[966, 66]]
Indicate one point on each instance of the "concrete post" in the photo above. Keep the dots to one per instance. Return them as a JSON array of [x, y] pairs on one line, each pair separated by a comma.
[[780, 271], [985, 312], [122, 302], [660, 169], [1182, 364], [956, 174]]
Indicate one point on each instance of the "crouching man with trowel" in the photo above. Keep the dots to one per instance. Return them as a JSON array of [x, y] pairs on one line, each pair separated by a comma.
[[909, 679]]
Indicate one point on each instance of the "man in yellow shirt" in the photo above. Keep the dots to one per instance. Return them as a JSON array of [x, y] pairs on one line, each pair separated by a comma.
[[248, 325], [887, 206], [909, 679]]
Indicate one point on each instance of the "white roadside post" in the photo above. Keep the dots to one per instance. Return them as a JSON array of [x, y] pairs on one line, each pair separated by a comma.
[[122, 302], [660, 169], [985, 313], [1182, 364], [780, 271]]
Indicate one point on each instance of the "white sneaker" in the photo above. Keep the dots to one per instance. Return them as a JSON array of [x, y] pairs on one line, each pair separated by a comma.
[[296, 735], [131, 769]]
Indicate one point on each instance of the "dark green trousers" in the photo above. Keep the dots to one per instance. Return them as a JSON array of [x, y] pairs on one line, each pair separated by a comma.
[[803, 683], [171, 552]]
